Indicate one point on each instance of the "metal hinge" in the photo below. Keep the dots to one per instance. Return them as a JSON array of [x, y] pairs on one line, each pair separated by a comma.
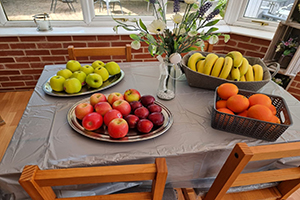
[[260, 22]]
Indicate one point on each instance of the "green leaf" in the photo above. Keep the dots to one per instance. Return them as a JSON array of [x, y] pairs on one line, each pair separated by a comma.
[[226, 38], [151, 38], [212, 22], [189, 49], [142, 25], [211, 30], [134, 37], [150, 49]]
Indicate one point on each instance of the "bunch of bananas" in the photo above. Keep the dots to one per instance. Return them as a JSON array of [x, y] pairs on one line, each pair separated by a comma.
[[233, 67]]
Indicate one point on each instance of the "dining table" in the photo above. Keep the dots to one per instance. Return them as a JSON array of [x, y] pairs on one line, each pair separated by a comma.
[[193, 149]]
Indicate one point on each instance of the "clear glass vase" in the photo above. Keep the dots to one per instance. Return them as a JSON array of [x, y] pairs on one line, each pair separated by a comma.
[[167, 81]]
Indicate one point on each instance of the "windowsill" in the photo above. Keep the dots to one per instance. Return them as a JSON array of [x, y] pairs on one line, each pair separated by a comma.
[[77, 31]]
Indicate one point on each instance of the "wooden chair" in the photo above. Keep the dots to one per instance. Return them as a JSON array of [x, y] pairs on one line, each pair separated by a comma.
[[37, 183], [230, 174], [99, 51]]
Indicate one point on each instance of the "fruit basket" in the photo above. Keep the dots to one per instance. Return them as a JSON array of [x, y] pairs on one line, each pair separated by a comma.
[[252, 127], [196, 79]]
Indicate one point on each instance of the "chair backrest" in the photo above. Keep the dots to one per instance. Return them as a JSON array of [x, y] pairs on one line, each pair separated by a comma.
[[37, 183], [230, 175], [99, 51]]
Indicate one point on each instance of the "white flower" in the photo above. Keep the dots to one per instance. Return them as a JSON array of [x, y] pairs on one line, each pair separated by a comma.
[[190, 1], [135, 45], [175, 58], [177, 18], [213, 39], [156, 26], [192, 33], [181, 32]]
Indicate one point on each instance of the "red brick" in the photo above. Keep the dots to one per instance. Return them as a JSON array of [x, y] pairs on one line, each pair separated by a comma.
[[84, 38], [227, 49], [9, 72], [21, 78], [248, 46], [260, 41], [253, 54], [17, 66], [294, 84], [218, 48], [31, 71], [98, 44], [59, 38], [10, 84], [114, 58], [297, 78], [142, 56], [239, 38], [54, 58], [263, 49], [22, 45], [294, 90], [49, 45], [231, 43], [4, 46], [9, 39], [109, 37], [126, 37], [59, 52], [27, 59], [30, 83], [117, 44], [38, 65], [4, 78], [75, 44], [36, 77], [33, 39], [37, 52], [137, 51], [11, 53], [7, 60]]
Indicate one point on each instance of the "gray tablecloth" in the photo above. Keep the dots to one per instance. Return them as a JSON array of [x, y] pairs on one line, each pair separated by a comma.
[[192, 148]]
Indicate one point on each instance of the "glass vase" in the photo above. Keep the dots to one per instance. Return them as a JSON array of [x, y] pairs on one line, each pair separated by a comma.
[[167, 81]]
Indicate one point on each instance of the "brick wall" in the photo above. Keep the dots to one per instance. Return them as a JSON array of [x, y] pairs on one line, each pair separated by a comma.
[[294, 87], [22, 58]]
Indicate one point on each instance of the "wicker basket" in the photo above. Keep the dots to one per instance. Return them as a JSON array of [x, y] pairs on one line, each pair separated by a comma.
[[252, 127], [196, 79]]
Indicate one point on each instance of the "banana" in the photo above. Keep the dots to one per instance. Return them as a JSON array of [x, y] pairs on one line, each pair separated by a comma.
[[235, 74], [226, 68], [249, 74], [200, 66], [209, 63], [217, 67], [237, 58], [258, 72], [194, 59], [244, 67], [243, 79]]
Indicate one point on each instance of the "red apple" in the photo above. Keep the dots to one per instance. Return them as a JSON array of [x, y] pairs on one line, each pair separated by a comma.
[[112, 97], [135, 104], [132, 95], [141, 112], [144, 126], [157, 118], [147, 100], [92, 121], [83, 109], [123, 106], [102, 108], [96, 98], [110, 115], [117, 128], [132, 120], [154, 108]]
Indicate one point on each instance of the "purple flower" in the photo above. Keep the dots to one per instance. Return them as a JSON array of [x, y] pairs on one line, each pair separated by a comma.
[[212, 14], [176, 6], [204, 8]]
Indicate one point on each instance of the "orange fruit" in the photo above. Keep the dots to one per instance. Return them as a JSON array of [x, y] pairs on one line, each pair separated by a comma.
[[237, 103], [260, 99], [221, 104], [275, 119], [227, 90], [243, 114], [260, 112], [273, 109], [225, 110]]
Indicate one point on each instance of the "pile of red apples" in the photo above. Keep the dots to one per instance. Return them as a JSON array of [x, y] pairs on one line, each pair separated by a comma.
[[118, 113]]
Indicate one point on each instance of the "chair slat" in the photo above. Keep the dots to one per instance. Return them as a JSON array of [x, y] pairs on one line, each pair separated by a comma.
[[132, 196]]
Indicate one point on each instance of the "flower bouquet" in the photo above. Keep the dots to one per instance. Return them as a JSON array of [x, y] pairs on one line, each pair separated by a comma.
[[287, 50]]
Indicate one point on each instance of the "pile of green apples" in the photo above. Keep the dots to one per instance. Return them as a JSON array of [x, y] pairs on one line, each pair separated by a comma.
[[75, 76]]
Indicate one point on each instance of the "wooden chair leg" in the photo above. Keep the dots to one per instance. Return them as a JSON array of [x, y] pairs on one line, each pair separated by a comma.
[[159, 182]]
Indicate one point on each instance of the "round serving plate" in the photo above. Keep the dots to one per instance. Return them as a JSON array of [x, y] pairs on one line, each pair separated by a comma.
[[132, 136], [111, 81]]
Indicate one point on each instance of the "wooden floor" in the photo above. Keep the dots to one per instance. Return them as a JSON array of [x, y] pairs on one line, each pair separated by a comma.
[[12, 106]]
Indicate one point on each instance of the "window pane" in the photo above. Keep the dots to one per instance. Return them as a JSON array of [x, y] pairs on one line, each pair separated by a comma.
[[58, 9], [272, 10]]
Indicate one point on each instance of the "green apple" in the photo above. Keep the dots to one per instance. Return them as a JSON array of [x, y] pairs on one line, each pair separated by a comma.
[[64, 73], [87, 69], [57, 83], [102, 71], [112, 68], [80, 75], [97, 63], [94, 80], [73, 65], [72, 85]]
